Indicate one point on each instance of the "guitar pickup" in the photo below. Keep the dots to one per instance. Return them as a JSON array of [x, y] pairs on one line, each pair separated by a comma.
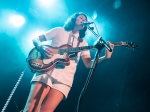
[[37, 64]]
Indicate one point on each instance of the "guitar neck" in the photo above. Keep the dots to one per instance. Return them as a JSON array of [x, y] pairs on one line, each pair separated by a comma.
[[83, 48], [76, 49], [119, 43]]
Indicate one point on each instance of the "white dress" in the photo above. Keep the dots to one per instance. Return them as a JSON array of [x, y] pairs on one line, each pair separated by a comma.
[[59, 37]]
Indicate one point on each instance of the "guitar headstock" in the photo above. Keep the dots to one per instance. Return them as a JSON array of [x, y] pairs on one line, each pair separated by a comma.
[[132, 45]]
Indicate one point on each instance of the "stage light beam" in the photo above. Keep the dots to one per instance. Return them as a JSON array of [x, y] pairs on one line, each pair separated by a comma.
[[16, 20], [47, 4]]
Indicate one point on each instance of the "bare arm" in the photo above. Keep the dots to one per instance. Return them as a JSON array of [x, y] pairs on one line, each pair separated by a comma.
[[37, 41], [47, 52], [88, 61]]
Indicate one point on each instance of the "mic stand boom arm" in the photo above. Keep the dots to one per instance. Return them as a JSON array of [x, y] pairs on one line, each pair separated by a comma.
[[99, 44]]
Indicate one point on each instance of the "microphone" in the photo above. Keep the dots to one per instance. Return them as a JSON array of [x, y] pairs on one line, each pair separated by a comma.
[[86, 23]]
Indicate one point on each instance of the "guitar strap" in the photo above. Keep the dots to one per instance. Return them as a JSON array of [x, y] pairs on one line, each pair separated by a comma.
[[76, 53], [72, 36], [79, 41]]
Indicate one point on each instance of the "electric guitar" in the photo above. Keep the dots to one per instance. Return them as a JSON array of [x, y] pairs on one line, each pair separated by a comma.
[[62, 54]]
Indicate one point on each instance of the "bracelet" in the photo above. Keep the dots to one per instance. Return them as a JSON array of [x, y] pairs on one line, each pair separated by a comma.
[[37, 43]]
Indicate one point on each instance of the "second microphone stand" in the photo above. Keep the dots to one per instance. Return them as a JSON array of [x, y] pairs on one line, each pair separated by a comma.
[[99, 44]]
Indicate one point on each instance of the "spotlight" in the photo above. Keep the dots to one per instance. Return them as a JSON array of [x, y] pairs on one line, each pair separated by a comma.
[[16, 20]]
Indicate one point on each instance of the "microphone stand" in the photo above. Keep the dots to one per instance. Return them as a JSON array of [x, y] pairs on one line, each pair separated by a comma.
[[99, 44]]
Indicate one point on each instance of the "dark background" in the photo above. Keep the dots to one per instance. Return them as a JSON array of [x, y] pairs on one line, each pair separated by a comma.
[[121, 84]]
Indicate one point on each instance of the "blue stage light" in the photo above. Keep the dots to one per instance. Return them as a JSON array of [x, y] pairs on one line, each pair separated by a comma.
[[16, 20]]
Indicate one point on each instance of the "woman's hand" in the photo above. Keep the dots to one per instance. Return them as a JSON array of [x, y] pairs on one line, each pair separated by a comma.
[[108, 53], [47, 52]]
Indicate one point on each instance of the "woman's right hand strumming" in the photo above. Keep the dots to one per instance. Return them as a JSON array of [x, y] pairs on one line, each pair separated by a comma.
[[47, 52]]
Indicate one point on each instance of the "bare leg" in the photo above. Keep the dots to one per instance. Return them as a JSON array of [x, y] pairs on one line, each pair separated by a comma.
[[37, 93], [53, 98]]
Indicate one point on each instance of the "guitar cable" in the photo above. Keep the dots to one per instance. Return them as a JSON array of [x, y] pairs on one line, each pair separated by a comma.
[[13, 91]]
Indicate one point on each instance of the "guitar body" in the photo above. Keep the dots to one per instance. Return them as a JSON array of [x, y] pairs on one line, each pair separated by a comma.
[[37, 63]]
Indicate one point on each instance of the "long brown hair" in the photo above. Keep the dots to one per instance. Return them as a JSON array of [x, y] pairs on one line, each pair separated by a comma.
[[70, 23]]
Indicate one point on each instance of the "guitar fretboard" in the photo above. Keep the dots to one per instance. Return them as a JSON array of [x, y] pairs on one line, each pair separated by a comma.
[[78, 49], [119, 43]]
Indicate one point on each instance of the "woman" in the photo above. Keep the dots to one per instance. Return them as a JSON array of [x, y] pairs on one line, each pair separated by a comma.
[[50, 88]]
